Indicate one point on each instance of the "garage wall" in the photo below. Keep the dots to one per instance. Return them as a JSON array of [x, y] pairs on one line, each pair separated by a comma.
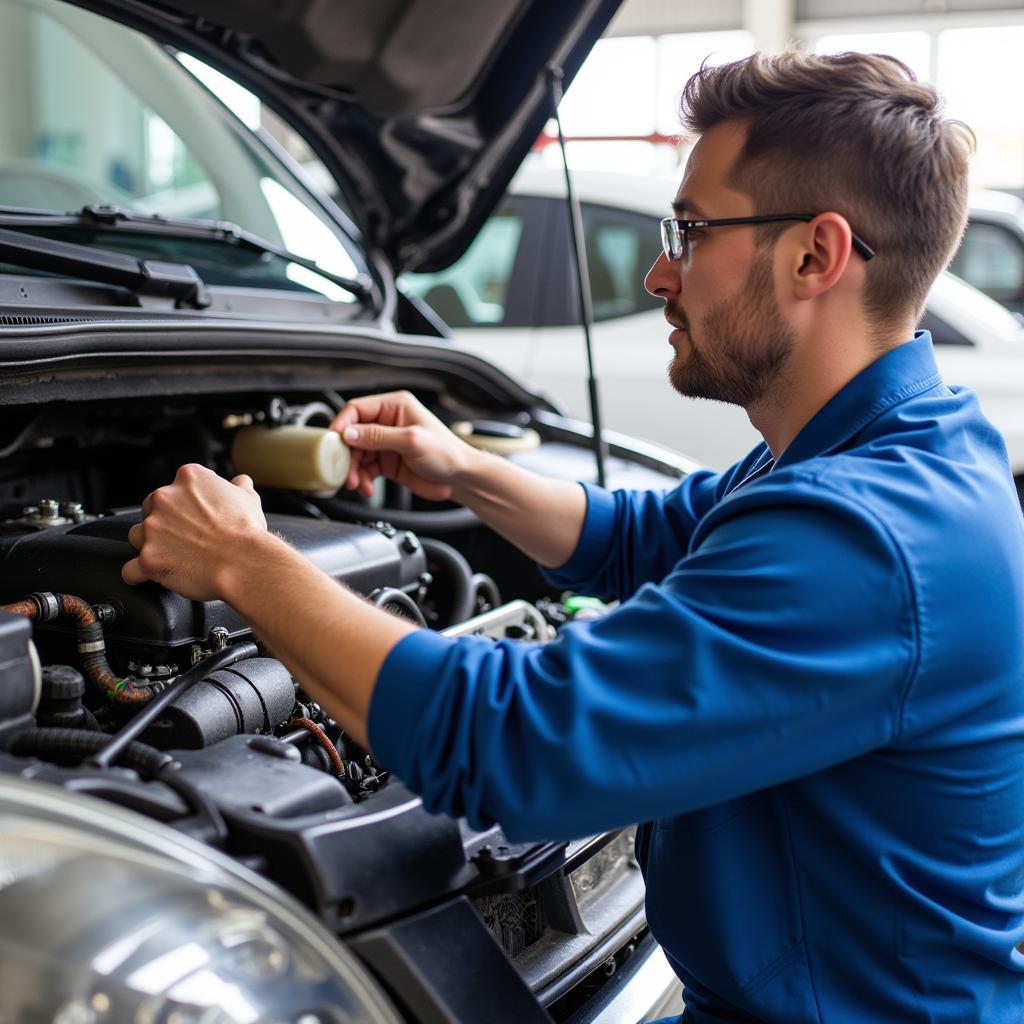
[[662, 17], [814, 9]]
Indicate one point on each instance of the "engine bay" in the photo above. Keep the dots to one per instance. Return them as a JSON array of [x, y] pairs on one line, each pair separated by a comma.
[[174, 709], [107, 651]]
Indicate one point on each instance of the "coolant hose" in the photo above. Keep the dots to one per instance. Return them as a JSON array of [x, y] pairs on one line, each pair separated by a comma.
[[459, 576], [45, 607]]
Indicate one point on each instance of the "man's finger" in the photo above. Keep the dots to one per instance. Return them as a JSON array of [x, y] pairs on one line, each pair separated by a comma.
[[137, 536], [374, 437], [147, 504], [359, 410], [132, 574], [244, 481]]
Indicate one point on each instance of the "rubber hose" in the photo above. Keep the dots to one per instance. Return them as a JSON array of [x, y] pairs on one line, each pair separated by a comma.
[[445, 520], [459, 574], [484, 587], [398, 602], [75, 744]]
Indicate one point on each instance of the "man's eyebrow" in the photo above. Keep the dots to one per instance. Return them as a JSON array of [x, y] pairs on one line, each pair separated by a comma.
[[684, 204]]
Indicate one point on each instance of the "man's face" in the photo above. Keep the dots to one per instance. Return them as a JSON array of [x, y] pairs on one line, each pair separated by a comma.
[[730, 340]]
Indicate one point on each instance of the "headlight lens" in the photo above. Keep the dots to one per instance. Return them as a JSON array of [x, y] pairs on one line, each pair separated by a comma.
[[105, 917]]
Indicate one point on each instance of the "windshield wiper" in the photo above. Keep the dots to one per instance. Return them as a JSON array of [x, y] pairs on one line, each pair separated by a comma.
[[115, 218], [176, 281]]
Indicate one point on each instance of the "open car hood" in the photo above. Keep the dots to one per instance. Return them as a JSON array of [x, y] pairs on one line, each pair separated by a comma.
[[421, 109]]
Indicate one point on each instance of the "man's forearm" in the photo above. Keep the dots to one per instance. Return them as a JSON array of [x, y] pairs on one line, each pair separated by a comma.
[[332, 641], [542, 516]]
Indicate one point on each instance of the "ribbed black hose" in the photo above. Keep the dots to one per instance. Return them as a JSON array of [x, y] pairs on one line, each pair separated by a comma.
[[459, 576], [72, 745]]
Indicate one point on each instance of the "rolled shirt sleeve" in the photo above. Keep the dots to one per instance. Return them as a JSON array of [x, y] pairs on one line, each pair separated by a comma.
[[782, 644]]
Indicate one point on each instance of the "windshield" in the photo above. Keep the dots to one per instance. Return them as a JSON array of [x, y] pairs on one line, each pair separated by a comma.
[[97, 114]]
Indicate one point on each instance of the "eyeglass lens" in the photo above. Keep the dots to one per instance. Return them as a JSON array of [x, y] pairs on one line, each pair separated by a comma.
[[673, 239]]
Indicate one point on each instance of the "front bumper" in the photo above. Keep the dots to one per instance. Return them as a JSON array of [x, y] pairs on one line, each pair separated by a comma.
[[645, 988]]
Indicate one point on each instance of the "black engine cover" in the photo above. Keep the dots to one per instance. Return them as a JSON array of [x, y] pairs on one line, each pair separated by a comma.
[[85, 559]]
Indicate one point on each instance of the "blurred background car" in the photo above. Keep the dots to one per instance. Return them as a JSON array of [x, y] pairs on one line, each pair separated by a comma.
[[991, 256], [512, 299]]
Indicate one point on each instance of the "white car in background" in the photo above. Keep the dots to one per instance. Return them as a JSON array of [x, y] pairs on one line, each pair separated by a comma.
[[992, 254], [512, 298]]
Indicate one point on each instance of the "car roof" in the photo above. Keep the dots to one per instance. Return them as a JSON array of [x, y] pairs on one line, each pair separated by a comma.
[[991, 201]]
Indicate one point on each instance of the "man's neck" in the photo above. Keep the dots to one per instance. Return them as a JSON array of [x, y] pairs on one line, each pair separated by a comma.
[[815, 374]]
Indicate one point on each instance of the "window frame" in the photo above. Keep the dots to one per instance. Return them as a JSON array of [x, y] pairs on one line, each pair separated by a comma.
[[561, 305]]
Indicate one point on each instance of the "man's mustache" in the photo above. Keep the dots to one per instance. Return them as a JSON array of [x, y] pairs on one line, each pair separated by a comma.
[[677, 318]]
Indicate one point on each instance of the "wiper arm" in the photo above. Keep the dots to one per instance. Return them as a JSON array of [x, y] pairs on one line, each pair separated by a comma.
[[176, 281], [113, 217]]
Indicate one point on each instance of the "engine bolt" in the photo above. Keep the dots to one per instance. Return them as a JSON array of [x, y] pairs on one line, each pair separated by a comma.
[[49, 509], [218, 638]]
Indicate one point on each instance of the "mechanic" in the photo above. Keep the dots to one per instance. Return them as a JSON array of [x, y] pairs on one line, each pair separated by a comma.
[[812, 689]]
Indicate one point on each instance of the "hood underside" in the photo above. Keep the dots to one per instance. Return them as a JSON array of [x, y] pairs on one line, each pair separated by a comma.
[[421, 109]]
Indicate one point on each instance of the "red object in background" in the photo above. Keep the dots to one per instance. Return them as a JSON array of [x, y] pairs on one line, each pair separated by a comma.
[[544, 140]]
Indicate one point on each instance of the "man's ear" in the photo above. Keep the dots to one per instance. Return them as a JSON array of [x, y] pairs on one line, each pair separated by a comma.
[[823, 255]]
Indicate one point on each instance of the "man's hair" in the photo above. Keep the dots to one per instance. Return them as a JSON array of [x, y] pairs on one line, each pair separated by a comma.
[[853, 133]]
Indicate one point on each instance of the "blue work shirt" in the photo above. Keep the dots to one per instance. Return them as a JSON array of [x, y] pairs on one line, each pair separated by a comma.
[[814, 689]]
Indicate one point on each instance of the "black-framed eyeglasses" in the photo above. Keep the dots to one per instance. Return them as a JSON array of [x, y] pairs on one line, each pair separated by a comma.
[[675, 233]]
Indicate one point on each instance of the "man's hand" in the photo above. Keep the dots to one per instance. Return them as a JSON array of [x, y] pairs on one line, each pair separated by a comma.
[[394, 436], [193, 530]]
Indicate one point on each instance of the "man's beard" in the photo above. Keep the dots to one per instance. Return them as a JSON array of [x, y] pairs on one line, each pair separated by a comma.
[[742, 348]]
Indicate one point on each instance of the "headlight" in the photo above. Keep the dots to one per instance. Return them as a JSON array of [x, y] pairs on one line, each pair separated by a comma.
[[106, 917]]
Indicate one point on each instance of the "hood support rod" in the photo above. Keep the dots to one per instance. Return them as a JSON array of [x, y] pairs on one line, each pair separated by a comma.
[[555, 76]]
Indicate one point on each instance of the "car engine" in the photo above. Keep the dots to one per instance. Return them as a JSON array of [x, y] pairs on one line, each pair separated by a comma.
[[173, 708]]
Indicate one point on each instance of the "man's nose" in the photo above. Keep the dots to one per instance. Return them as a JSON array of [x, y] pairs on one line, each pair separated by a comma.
[[663, 278]]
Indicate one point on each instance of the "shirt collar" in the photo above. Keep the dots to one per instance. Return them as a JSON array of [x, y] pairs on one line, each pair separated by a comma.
[[902, 372]]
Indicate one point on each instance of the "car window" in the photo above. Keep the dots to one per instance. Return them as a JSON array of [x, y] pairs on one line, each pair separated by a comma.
[[107, 117], [621, 247], [474, 291], [991, 259]]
